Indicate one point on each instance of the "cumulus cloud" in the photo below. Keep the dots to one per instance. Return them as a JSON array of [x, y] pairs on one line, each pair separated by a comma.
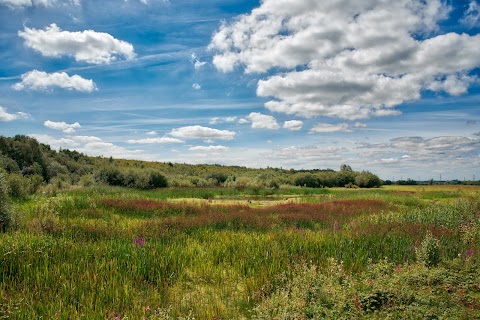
[[243, 121], [347, 59], [329, 128], [5, 116], [199, 132], [85, 46], [39, 80], [62, 126], [209, 148], [156, 140], [293, 125], [471, 17], [262, 121], [196, 86]]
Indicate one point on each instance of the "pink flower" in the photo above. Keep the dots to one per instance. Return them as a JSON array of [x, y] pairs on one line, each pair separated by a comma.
[[139, 241], [147, 308]]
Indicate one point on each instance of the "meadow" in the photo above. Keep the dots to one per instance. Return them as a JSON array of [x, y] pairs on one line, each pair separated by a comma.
[[107, 252]]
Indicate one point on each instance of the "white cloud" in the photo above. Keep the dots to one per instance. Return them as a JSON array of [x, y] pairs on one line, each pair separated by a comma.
[[262, 121], [357, 59], [31, 3], [471, 17], [196, 86], [39, 80], [86, 46], [306, 155], [152, 133], [293, 125], [156, 140], [91, 145], [360, 125], [437, 145], [62, 126], [217, 120], [196, 62], [5, 116], [243, 121], [85, 139], [199, 132], [199, 64], [328, 128], [27, 3], [209, 148]]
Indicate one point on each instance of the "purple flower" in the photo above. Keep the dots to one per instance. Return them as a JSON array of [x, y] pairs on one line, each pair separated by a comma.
[[470, 252], [139, 241]]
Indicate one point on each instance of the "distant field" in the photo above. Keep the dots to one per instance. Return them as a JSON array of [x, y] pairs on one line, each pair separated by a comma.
[[224, 253]]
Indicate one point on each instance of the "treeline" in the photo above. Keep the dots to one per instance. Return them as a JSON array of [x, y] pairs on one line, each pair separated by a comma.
[[28, 165]]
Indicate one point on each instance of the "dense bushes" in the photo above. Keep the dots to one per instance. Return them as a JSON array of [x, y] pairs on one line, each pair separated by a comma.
[[139, 179], [337, 179]]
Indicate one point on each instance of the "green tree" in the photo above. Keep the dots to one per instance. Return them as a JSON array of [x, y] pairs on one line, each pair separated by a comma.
[[346, 167], [367, 179]]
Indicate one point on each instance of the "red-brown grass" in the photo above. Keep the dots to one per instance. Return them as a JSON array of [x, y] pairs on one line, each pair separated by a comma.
[[239, 216]]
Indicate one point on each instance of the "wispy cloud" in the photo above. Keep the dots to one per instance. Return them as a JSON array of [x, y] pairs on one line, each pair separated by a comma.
[[155, 140], [329, 128]]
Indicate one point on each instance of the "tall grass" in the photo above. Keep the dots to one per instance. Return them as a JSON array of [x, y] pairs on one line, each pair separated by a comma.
[[112, 252]]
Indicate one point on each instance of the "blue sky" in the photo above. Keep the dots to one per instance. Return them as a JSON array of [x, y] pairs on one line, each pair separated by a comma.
[[390, 87]]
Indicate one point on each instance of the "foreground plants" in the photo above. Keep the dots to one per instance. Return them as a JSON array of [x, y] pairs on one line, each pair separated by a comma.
[[122, 254], [384, 291]]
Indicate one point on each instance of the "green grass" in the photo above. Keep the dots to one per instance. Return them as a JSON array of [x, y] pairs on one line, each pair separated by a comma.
[[107, 252]]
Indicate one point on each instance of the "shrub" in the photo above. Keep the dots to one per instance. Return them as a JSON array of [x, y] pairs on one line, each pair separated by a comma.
[[18, 185], [308, 180], [367, 180], [157, 180], [428, 253], [5, 209]]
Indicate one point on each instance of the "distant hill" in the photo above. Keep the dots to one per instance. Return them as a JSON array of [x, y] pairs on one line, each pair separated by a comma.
[[29, 163]]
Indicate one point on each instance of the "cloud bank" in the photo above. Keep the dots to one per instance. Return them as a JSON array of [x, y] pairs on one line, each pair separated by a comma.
[[351, 59]]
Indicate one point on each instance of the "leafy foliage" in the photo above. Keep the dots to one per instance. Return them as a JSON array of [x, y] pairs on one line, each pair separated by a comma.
[[5, 209]]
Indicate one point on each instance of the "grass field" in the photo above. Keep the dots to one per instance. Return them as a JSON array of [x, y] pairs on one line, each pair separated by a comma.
[[218, 253]]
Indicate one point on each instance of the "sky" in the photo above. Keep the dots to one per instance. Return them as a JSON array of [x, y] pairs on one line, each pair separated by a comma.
[[391, 87]]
